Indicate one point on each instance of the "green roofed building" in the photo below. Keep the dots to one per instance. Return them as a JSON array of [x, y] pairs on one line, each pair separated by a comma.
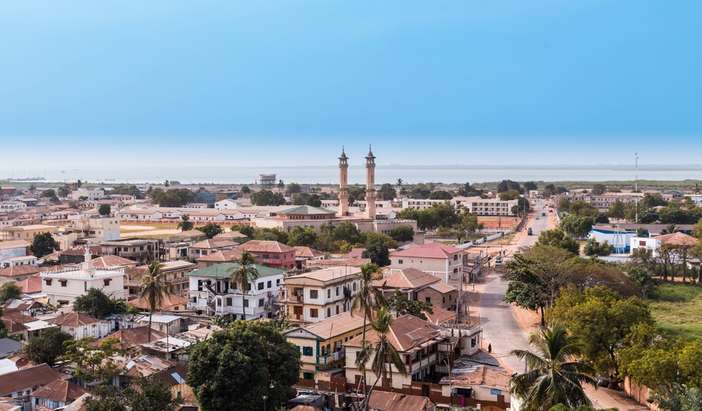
[[306, 212], [212, 292]]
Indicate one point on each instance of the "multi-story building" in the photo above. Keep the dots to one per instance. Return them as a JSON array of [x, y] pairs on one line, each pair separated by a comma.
[[316, 295], [486, 206], [99, 228], [421, 345], [27, 232], [64, 286], [133, 249], [420, 203], [321, 344], [270, 253], [87, 194], [206, 247], [417, 285], [212, 291], [173, 274], [440, 260]]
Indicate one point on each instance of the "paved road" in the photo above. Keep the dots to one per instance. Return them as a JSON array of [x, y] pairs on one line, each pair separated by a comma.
[[499, 326], [501, 329]]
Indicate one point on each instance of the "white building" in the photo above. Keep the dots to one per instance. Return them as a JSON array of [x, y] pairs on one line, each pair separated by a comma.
[[12, 249], [696, 198], [81, 325], [420, 203], [87, 194], [63, 287], [650, 244], [619, 239], [486, 206], [226, 204], [100, 228], [12, 205], [211, 291]]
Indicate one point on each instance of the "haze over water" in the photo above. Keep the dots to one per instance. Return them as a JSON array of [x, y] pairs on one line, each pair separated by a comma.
[[384, 174]]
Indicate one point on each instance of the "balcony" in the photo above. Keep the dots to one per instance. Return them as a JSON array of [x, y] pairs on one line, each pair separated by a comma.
[[332, 360]]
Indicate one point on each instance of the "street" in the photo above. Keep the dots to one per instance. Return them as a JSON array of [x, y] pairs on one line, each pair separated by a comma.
[[503, 332]]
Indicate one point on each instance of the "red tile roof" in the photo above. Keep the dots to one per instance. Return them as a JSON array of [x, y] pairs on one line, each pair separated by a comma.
[[74, 320], [405, 278], [132, 337], [107, 261], [30, 285], [430, 250], [222, 256], [265, 246], [59, 391], [26, 378], [19, 270], [214, 244], [306, 252], [394, 401], [406, 333], [677, 239]]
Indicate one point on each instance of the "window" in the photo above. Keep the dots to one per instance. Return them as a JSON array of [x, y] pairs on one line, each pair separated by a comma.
[[63, 282], [443, 299], [269, 284], [48, 281], [308, 375], [229, 301], [219, 302], [328, 292], [314, 293], [399, 261], [260, 302], [246, 303], [107, 282], [455, 257], [427, 300], [277, 282], [260, 286], [328, 312], [337, 309], [354, 286], [337, 291], [314, 313], [306, 350]]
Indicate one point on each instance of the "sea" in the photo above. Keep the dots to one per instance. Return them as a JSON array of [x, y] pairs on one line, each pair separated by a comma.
[[384, 174]]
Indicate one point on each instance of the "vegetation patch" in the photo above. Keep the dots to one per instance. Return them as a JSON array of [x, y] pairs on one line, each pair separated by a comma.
[[677, 308]]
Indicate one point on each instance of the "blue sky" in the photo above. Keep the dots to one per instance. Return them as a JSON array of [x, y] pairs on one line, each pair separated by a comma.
[[167, 82]]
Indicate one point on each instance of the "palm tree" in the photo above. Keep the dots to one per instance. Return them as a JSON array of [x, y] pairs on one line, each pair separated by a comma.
[[386, 356], [367, 300], [153, 289], [243, 275], [553, 376]]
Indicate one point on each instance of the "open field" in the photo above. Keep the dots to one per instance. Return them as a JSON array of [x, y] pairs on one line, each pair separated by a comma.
[[678, 308]]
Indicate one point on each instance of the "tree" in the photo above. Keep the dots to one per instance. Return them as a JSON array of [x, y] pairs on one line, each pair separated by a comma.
[[177, 197], [643, 279], [47, 346], [598, 189], [271, 234], [593, 248], [92, 363], [440, 195], [522, 207], [97, 304], [9, 291], [293, 188], [211, 229], [536, 277], [557, 238], [385, 355], [509, 195], [348, 232], [245, 190], [400, 304], [387, 192], [302, 236], [243, 275], [63, 191], [367, 300], [679, 397], [254, 352], [153, 289], [247, 230], [402, 234], [267, 198], [104, 210], [553, 376], [43, 244], [507, 185], [616, 210], [600, 320], [307, 199], [377, 249], [150, 394], [576, 226], [185, 224], [467, 225]]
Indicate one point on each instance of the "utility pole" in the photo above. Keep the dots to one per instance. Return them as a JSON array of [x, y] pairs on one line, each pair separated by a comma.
[[636, 184]]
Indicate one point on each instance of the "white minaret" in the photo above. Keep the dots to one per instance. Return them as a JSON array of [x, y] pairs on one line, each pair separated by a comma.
[[370, 184], [87, 265], [343, 184]]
